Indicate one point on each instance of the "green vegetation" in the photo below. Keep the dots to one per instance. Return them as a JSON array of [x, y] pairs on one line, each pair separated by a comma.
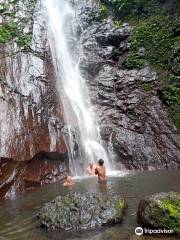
[[147, 87], [156, 30], [24, 40], [12, 26], [103, 11], [127, 7], [121, 204], [172, 207], [171, 93], [174, 114], [134, 60], [155, 34], [117, 23], [8, 31]]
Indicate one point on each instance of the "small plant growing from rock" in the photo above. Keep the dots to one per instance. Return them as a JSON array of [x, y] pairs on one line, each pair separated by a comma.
[[121, 203], [117, 23], [103, 11]]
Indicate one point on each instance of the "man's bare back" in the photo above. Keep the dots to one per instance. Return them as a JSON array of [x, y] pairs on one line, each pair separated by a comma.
[[101, 172]]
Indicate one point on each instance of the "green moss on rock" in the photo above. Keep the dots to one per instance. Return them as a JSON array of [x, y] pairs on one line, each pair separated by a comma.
[[14, 26], [103, 11], [121, 204], [160, 211], [155, 34], [82, 211], [8, 31]]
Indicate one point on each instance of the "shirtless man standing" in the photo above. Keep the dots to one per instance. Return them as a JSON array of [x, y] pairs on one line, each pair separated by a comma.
[[101, 172], [91, 169]]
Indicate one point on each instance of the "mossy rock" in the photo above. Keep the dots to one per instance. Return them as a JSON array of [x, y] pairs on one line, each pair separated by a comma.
[[78, 211], [160, 211]]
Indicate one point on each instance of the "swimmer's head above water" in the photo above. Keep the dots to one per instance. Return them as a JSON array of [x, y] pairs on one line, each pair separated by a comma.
[[91, 164], [68, 181], [91, 168], [101, 162]]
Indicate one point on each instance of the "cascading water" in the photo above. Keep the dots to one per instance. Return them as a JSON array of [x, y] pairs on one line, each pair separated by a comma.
[[84, 141]]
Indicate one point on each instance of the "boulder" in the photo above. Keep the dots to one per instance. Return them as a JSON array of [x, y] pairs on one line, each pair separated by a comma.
[[78, 211], [160, 211]]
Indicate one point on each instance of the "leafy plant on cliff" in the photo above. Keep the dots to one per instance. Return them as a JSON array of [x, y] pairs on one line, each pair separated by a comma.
[[24, 40], [13, 24], [147, 87], [103, 11], [157, 36], [171, 93], [126, 7], [157, 31], [8, 31], [117, 23]]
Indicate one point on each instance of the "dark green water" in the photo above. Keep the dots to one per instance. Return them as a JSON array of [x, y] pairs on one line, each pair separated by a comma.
[[17, 216]]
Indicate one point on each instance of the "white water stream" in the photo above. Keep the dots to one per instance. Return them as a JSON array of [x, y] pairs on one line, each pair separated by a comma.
[[84, 142]]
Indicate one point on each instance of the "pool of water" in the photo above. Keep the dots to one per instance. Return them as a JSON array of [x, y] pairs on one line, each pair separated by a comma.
[[18, 215]]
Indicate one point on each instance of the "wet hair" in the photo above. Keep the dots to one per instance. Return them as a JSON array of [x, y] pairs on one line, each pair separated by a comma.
[[100, 162]]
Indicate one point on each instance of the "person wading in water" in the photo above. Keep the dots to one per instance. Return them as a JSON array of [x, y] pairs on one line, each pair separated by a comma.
[[91, 169], [101, 172]]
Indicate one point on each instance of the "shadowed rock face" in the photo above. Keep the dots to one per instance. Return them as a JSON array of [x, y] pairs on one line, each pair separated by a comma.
[[82, 211], [21, 176], [131, 116]]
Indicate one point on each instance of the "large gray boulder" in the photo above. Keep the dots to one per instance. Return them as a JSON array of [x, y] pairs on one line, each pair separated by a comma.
[[160, 211], [82, 211]]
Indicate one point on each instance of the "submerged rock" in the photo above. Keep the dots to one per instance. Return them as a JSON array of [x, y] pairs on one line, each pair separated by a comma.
[[82, 211], [160, 211]]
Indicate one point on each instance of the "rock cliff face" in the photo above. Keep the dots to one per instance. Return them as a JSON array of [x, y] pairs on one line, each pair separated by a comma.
[[132, 119], [31, 116], [131, 116]]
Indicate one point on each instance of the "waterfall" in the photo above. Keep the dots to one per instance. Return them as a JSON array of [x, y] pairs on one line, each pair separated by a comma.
[[84, 142]]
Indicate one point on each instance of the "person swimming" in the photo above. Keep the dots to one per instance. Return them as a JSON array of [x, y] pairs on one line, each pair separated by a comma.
[[68, 181], [101, 172], [91, 169]]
